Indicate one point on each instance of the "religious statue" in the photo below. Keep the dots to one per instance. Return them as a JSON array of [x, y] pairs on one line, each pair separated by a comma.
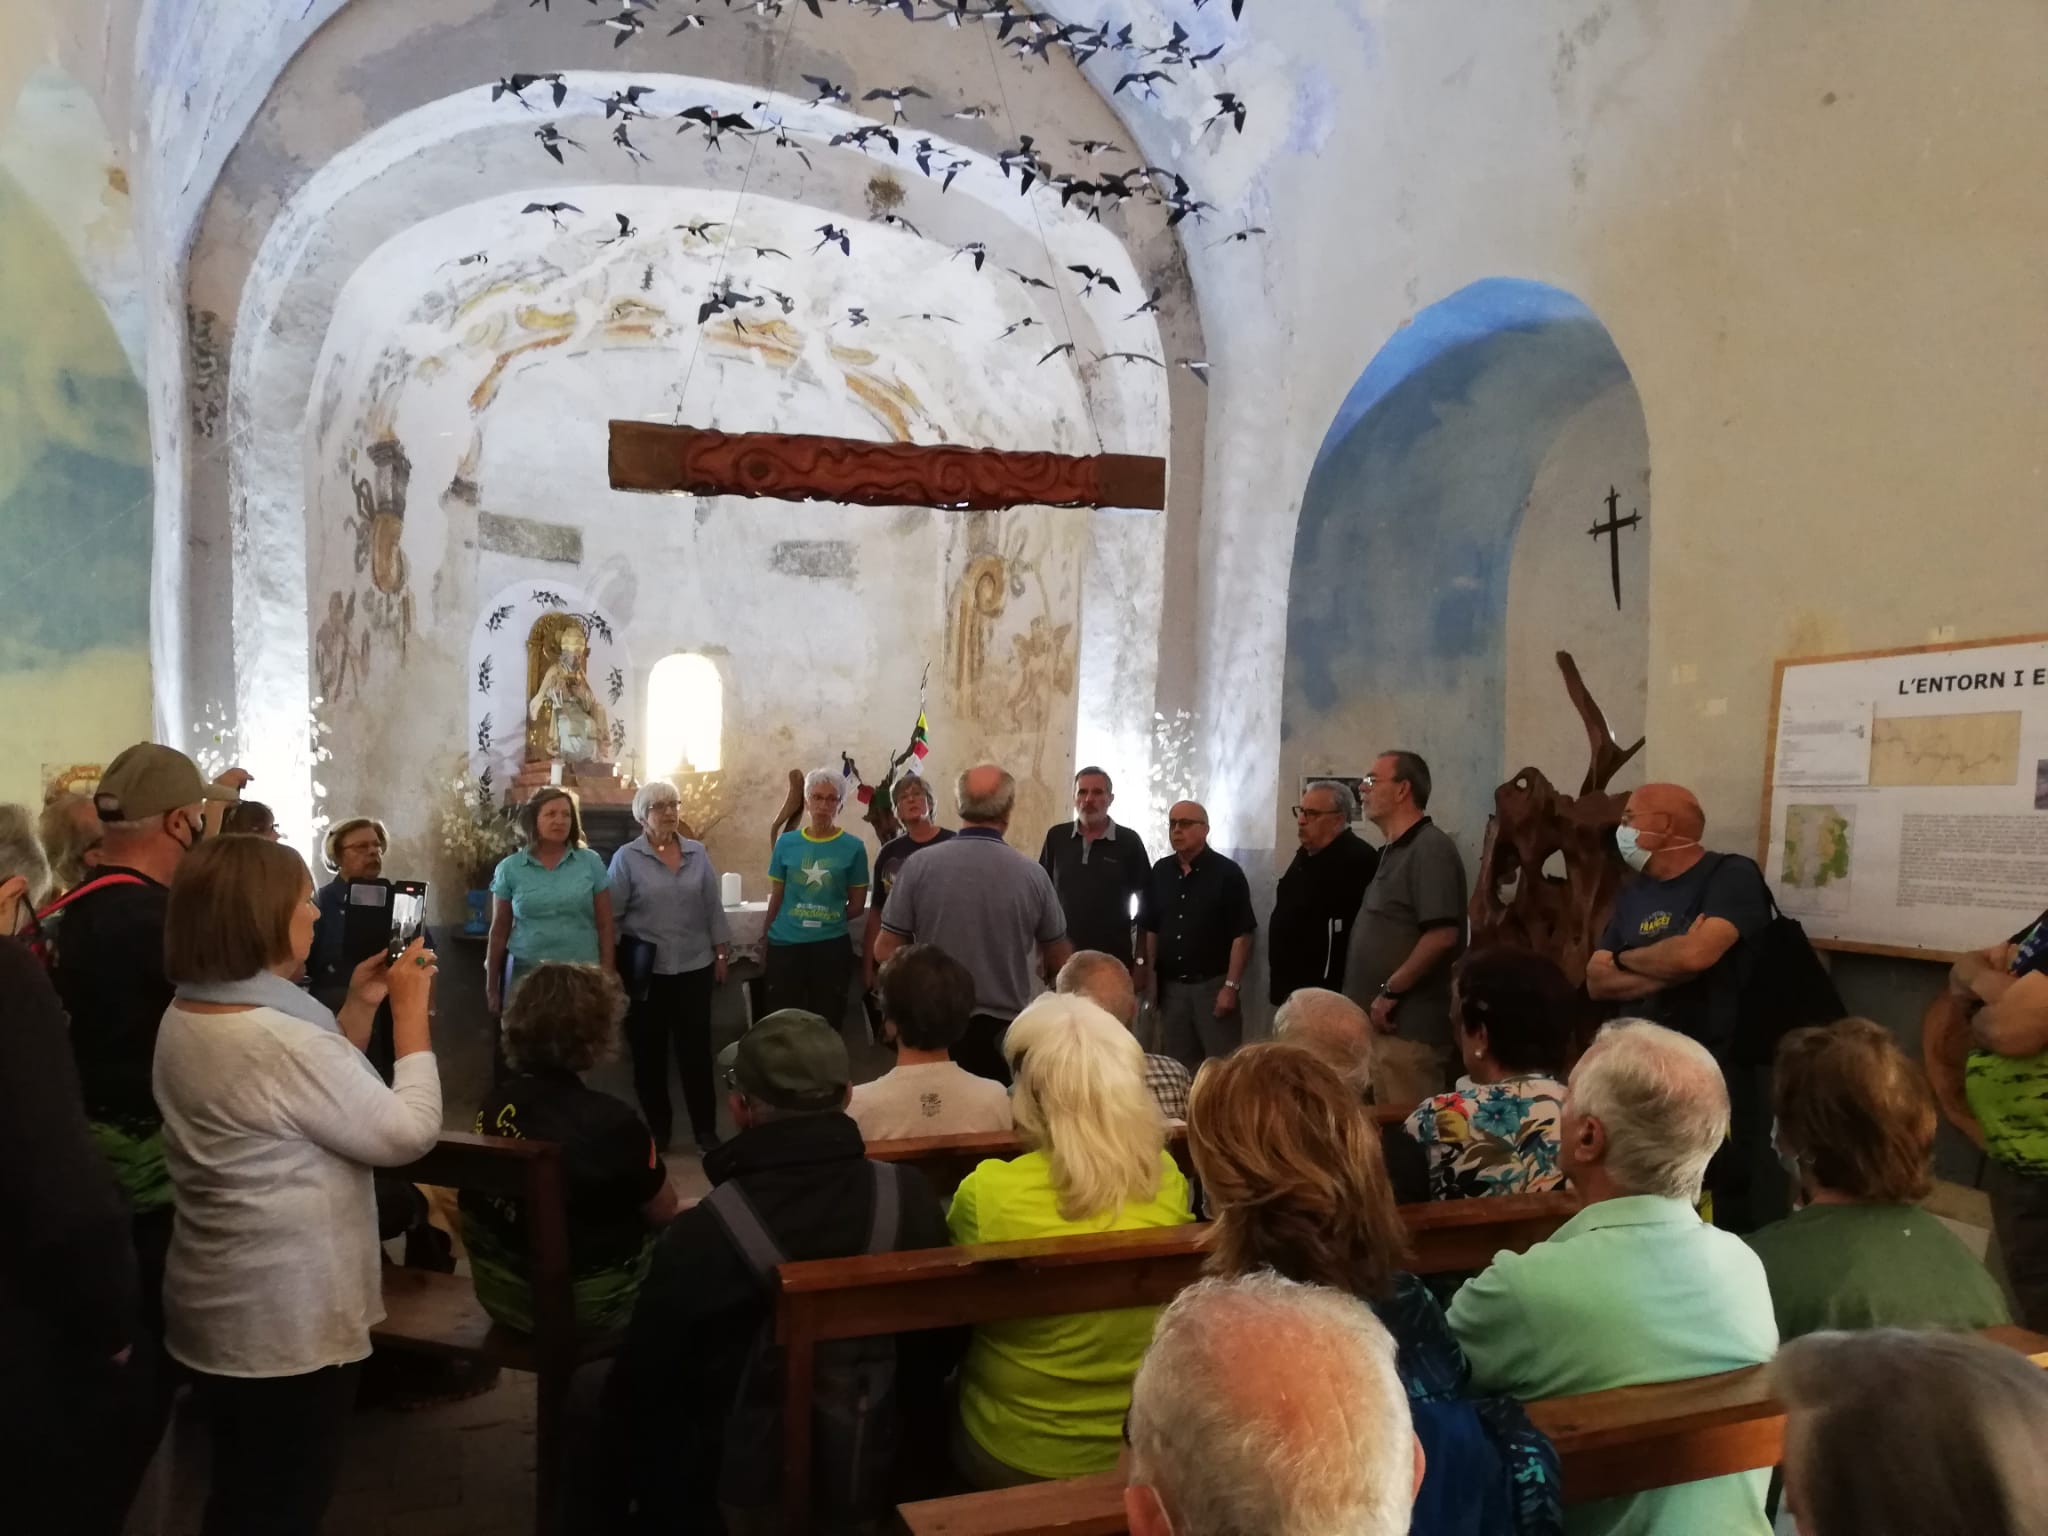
[[565, 722], [1513, 901]]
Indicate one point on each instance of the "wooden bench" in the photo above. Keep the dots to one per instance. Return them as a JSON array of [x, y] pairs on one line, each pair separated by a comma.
[[946, 1160], [436, 1314], [826, 1299], [1625, 1441]]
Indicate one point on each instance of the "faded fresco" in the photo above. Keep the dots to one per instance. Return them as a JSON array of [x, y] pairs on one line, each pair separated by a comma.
[[75, 507]]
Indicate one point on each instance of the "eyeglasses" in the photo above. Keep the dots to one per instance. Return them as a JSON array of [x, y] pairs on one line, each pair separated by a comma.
[[1302, 813], [1181, 824], [1370, 780]]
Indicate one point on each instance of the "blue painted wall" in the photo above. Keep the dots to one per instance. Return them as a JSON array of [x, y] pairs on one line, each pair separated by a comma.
[[1397, 609]]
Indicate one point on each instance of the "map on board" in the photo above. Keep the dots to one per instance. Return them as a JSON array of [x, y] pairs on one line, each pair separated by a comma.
[[1819, 854], [1916, 751]]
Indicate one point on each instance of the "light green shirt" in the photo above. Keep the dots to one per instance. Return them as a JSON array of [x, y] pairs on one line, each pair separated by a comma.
[[1048, 1395], [1629, 1291]]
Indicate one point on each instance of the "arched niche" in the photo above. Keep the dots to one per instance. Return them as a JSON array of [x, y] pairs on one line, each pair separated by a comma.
[[1445, 552]]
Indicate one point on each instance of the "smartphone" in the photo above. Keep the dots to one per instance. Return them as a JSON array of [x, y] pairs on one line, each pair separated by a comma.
[[408, 915]]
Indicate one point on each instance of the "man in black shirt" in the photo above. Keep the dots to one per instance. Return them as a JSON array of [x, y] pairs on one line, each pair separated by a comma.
[[912, 798], [1196, 915], [1319, 896], [1098, 868], [801, 1164]]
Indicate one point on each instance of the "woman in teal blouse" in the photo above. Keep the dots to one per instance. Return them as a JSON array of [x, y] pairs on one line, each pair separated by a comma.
[[552, 900]]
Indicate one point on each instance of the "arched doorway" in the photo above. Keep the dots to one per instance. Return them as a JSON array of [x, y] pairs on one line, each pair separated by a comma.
[[1444, 551]]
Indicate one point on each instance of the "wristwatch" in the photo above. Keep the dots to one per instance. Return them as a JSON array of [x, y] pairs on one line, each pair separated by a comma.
[[1231, 984], [1390, 994]]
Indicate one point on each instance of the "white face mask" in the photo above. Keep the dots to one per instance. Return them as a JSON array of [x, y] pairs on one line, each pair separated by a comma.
[[1633, 853]]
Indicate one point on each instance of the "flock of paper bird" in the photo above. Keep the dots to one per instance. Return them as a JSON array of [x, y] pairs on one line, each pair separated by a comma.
[[1027, 33]]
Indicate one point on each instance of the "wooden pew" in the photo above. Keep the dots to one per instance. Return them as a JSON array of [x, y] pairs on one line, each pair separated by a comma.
[[946, 1160], [827, 1299], [436, 1314], [1612, 1443]]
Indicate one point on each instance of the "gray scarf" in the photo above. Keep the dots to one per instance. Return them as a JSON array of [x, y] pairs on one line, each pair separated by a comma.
[[266, 989]]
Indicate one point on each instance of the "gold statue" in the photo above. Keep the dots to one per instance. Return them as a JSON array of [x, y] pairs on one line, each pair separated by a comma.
[[565, 722]]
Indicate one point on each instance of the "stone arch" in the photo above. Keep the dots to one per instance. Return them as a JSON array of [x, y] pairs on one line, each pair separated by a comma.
[[1442, 554]]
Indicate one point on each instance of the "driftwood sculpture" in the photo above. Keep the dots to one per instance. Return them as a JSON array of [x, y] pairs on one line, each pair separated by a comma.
[[881, 807], [1514, 902]]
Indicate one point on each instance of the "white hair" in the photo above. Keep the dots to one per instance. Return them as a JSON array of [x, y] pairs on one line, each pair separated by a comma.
[[1330, 1026], [1661, 1097], [1346, 797], [1269, 1406], [831, 778], [1081, 1099], [21, 851], [654, 792]]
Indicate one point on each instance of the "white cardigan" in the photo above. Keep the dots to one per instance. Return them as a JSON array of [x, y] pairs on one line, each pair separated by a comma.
[[271, 1128]]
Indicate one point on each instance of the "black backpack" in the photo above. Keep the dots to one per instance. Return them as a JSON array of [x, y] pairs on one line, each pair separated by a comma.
[[1787, 987], [853, 1396]]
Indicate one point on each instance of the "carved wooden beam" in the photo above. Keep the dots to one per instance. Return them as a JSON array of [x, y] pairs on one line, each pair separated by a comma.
[[648, 456]]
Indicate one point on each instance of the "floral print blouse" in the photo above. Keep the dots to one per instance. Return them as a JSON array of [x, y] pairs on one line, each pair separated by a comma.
[[1493, 1138]]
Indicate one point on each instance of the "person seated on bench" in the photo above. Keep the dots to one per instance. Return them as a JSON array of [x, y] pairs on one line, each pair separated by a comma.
[[927, 999], [1890, 1433], [272, 1123], [1495, 1133], [1289, 1157], [1264, 1405], [1334, 1029], [1106, 982], [799, 1162], [1635, 1288], [563, 1021], [1855, 1123], [1045, 1397]]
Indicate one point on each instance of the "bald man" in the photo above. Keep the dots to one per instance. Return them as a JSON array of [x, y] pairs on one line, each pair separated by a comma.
[[1195, 917], [1678, 950]]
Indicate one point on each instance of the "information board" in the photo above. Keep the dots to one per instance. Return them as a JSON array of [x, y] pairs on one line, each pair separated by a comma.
[[1906, 796]]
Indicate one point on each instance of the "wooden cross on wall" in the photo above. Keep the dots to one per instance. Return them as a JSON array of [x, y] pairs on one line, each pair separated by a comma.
[[648, 456]]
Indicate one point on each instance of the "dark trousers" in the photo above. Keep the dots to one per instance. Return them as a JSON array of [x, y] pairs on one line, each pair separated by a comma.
[[2019, 1215], [813, 977], [676, 1007], [980, 1050], [277, 1448], [75, 1439]]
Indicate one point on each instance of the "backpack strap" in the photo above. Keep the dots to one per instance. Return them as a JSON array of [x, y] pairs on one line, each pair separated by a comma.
[[742, 1223], [885, 1229], [97, 883]]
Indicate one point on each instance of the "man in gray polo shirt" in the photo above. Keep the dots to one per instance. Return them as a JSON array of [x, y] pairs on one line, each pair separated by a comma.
[[988, 906], [1409, 931]]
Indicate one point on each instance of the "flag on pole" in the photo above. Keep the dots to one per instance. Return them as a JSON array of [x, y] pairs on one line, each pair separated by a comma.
[[920, 739]]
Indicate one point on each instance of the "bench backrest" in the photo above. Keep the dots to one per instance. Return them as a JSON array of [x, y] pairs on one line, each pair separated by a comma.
[[946, 1160]]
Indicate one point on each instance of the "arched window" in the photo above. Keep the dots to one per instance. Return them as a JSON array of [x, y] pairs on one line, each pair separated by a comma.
[[685, 716]]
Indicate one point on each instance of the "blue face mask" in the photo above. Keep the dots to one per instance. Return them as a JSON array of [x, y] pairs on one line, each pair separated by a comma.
[[1633, 853]]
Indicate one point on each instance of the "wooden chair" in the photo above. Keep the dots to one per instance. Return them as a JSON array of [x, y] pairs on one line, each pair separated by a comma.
[[827, 1299], [438, 1314], [1624, 1441]]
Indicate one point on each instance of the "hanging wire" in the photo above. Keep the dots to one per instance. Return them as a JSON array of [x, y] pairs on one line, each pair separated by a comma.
[[739, 198], [1059, 293]]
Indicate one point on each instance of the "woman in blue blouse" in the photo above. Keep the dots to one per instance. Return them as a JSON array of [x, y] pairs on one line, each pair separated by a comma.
[[552, 900], [1290, 1163], [673, 945]]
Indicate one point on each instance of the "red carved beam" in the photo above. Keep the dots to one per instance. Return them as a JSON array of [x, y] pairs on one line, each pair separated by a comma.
[[647, 456]]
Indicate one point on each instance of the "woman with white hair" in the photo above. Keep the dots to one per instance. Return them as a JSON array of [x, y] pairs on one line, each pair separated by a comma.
[[1045, 1397], [817, 890], [674, 942]]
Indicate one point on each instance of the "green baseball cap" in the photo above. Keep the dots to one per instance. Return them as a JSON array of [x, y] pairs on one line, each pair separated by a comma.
[[791, 1059], [150, 780]]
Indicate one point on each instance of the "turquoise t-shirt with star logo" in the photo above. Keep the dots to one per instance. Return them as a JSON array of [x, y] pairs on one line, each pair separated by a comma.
[[817, 875]]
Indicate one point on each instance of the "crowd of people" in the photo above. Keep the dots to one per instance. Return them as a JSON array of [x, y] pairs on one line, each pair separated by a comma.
[[207, 1072]]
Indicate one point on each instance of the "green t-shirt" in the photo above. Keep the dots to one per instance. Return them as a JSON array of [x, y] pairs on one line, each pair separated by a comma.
[[2009, 1094], [1873, 1266], [1048, 1395], [817, 875]]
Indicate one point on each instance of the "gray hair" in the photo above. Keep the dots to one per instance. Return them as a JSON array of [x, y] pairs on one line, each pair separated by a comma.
[[831, 778], [67, 838], [21, 851], [991, 807], [1270, 1406], [1101, 978], [1345, 796], [1330, 1026], [910, 783], [1663, 1102], [654, 792], [1957, 1423]]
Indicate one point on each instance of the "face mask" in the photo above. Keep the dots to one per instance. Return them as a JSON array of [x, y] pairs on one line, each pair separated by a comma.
[[1633, 853], [198, 836]]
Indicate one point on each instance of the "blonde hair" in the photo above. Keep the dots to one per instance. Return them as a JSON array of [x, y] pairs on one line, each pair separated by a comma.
[[1290, 1160], [1081, 1098]]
